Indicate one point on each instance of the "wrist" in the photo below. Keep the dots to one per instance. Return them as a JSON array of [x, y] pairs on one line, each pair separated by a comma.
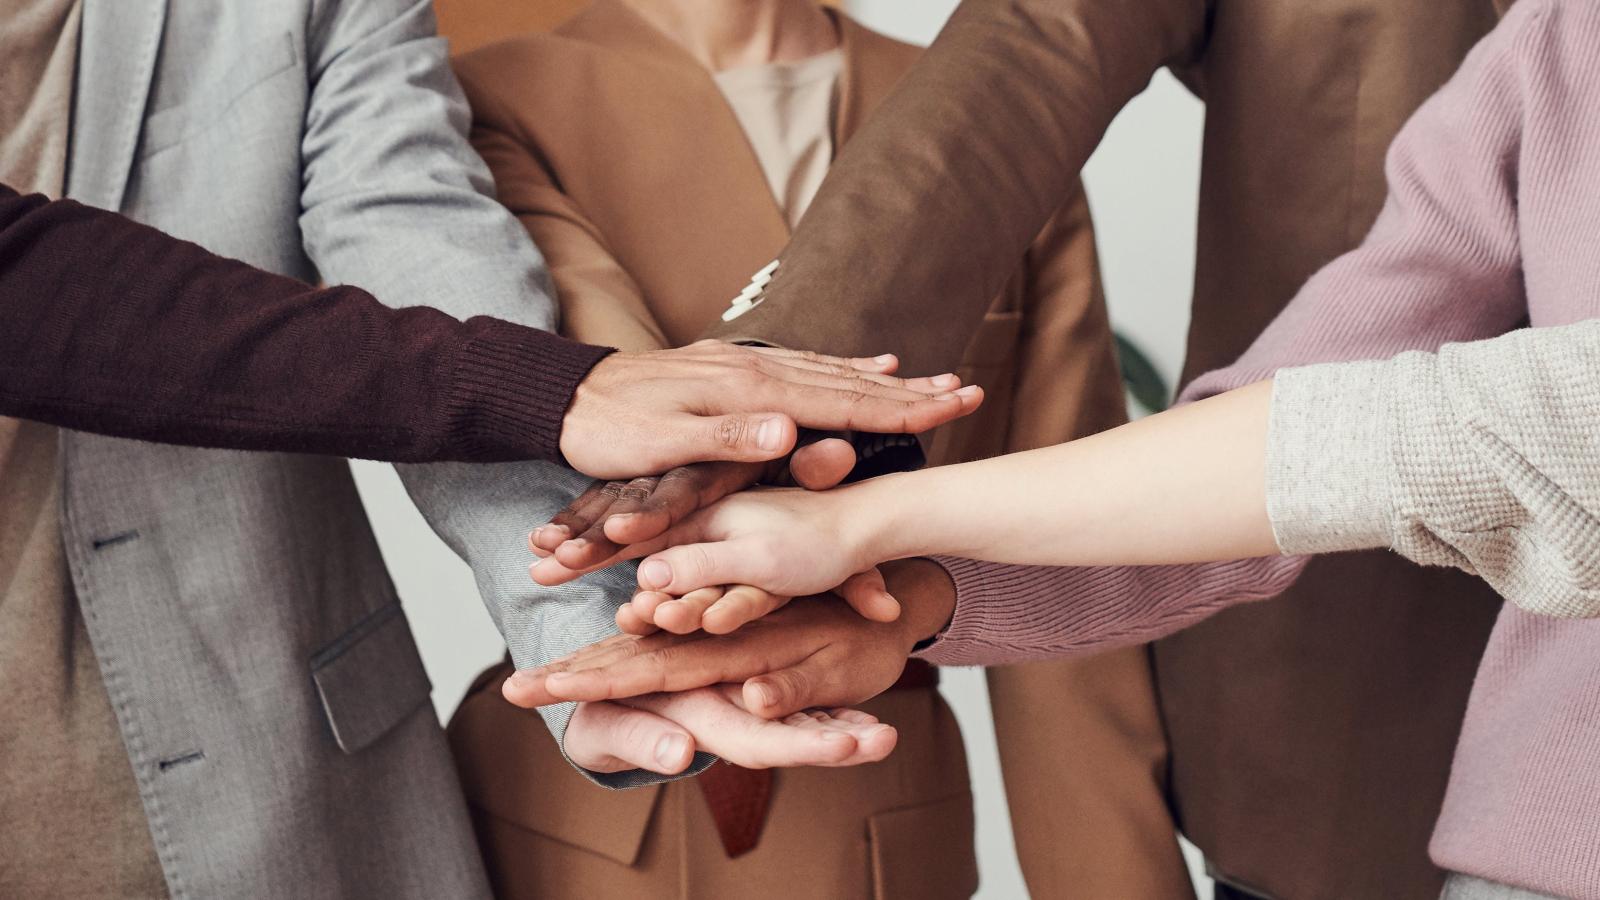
[[865, 518]]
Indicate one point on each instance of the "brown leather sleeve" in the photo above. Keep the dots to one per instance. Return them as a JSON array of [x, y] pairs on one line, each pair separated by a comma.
[[599, 300], [933, 202]]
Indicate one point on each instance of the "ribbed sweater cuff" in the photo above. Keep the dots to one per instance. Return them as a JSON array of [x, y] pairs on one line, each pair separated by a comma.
[[1330, 463], [1007, 613], [510, 390]]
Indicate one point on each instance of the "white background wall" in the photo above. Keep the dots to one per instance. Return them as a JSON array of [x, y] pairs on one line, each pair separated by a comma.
[[1142, 185]]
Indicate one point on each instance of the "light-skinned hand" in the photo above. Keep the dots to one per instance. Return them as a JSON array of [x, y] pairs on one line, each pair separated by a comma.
[[661, 733], [817, 652]]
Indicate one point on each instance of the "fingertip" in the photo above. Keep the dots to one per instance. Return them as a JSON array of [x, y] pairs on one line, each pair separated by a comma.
[[885, 608], [629, 621], [549, 572], [673, 752], [721, 619], [677, 617], [654, 574], [971, 396], [886, 364], [574, 554], [761, 698], [878, 742], [521, 689], [841, 745], [775, 436], [548, 537]]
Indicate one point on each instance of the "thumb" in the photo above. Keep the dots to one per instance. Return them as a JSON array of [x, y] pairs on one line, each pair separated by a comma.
[[689, 567], [739, 437], [820, 466], [869, 596], [785, 691], [609, 737]]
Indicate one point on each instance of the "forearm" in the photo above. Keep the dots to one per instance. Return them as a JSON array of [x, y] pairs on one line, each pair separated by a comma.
[[936, 198], [480, 511], [113, 327], [1121, 497]]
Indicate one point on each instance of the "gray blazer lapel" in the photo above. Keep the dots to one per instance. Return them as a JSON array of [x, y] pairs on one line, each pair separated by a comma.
[[116, 62]]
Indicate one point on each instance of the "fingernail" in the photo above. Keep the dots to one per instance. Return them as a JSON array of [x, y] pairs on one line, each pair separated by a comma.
[[883, 360], [836, 737], [770, 435], [765, 696], [534, 538], [946, 380], [669, 750], [579, 543], [522, 676], [654, 574], [555, 680], [969, 391]]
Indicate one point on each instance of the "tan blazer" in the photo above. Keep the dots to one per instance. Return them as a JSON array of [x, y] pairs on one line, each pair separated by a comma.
[[620, 156], [1301, 771]]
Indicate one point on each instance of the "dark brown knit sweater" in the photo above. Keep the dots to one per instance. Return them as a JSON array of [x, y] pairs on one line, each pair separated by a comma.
[[113, 327]]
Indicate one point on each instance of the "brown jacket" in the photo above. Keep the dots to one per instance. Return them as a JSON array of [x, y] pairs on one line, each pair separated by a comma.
[[1301, 771], [631, 173]]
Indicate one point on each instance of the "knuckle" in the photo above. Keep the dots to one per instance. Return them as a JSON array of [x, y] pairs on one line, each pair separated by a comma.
[[732, 431]]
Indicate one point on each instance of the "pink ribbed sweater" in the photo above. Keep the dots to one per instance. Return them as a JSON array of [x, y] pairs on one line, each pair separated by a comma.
[[1493, 220]]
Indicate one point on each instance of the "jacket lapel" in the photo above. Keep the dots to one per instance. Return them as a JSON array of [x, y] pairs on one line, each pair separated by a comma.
[[116, 62], [730, 224], [872, 66]]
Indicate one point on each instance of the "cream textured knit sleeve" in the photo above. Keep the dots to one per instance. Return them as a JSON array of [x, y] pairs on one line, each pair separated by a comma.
[[1485, 456]]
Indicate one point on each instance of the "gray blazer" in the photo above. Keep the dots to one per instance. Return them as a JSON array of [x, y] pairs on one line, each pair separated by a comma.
[[273, 704]]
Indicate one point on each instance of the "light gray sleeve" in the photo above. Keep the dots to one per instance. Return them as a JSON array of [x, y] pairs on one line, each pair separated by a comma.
[[396, 201], [484, 512], [1485, 456]]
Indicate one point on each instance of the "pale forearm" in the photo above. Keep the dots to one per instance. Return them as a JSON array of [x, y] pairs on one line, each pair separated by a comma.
[[1184, 486]]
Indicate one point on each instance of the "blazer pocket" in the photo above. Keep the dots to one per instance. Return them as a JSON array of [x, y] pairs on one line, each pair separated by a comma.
[[370, 678], [259, 63], [902, 864], [512, 771]]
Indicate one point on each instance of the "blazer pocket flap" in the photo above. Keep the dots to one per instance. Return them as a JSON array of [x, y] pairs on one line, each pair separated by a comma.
[[370, 678], [994, 343], [511, 769], [901, 864]]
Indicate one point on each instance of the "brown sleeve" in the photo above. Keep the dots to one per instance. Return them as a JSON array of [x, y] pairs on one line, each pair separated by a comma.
[[1081, 742], [113, 327], [600, 302], [932, 203]]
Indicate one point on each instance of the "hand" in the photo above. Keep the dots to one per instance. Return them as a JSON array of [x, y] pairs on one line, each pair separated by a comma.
[[786, 542], [592, 530], [812, 653], [661, 733], [643, 413], [682, 593], [723, 610]]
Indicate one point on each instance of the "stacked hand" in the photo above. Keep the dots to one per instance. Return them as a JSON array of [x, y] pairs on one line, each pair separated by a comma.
[[817, 653], [715, 419]]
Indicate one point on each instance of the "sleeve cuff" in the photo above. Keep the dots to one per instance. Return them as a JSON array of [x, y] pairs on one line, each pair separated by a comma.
[[511, 389], [1329, 458]]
